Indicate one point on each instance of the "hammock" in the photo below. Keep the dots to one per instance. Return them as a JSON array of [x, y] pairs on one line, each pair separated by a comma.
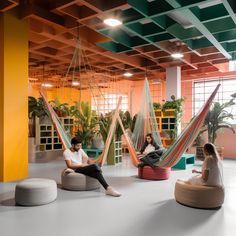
[[146, 120], [66, 139], [188, 135]]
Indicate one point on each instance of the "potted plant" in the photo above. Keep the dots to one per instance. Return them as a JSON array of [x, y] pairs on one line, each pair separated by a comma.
[[177, 105], [62, 109], [86, 122], [116, 144], [36, 108], [217, 119]]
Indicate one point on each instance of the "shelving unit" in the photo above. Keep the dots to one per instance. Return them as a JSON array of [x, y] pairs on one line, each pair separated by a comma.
[[166, 121], [115, 153], [46, 135]]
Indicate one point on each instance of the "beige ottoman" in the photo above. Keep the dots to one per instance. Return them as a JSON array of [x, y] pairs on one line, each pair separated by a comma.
[[77, 181], [34, 192], [198, 196]]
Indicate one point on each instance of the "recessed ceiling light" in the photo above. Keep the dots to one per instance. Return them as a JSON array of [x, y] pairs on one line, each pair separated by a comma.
[[75, 83], [47, 85], [112, 22], [177, 55], [128, 74]]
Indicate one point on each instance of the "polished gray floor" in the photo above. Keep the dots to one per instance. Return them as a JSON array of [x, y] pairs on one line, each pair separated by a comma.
[[146, 208]]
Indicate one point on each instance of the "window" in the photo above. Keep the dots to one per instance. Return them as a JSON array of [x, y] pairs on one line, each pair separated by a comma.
[[108, 102], [203, 89]]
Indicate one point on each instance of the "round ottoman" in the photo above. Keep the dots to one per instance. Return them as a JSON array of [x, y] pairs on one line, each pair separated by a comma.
[[198, 196], [77, 181], [34, 192], [156, 173]]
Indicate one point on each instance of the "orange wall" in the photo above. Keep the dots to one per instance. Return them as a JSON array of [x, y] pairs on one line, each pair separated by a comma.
[[65, 95]]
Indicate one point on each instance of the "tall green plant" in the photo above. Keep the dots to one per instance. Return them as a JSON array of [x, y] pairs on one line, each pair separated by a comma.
[[36, 108], [218, 118], [86, 121]]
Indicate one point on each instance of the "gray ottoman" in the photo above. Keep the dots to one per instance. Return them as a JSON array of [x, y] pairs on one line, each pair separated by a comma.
[[34, 192], [77, 181]]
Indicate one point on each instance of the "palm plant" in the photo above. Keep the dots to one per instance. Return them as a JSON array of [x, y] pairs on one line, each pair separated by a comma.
[[36, 108], [86, 121], [218, 118]]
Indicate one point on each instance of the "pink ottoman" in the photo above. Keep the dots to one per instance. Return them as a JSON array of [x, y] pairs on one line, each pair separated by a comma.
[[156, 173]]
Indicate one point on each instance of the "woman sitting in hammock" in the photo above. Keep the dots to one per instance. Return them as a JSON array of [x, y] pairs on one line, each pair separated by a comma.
[[150, 152]]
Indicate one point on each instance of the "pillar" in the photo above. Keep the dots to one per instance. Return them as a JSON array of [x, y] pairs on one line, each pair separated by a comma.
[[173, 86], [13, 97], [173, 82]]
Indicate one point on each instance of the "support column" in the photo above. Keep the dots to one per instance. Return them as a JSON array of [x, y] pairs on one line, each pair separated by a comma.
[[173, 86], [13, 97], [173, 82]]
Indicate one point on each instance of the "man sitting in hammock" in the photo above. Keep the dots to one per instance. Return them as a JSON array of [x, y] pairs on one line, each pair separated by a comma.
[[150, 152]]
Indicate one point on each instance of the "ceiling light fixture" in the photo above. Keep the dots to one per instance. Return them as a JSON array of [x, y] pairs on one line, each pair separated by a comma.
[[112, 22], [75, 83], [128, 74], [47, 85], [177, 55]]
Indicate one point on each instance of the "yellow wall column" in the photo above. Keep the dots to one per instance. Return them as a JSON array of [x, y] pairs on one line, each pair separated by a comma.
[[13, 97]]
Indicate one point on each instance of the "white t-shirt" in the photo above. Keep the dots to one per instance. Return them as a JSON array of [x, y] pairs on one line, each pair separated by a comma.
[[215, 167], [75, 157], [149, 148]]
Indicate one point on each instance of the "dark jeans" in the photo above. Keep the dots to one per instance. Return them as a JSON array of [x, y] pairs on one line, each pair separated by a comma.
[[151, 158], [93, 171]]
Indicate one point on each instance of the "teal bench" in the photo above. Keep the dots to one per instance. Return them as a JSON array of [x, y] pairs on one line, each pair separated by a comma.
[[185, 161], [93, 152]]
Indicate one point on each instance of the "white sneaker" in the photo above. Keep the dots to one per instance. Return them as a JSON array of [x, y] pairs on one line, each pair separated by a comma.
[[110, 191]]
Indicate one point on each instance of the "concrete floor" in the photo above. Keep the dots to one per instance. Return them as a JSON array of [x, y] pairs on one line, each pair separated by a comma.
[[146, 208]]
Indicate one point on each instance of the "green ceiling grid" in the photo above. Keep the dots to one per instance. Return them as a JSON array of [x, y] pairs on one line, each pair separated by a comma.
[[221, 30], [164, 28], [202, 28], [210, 13], [230, 7]]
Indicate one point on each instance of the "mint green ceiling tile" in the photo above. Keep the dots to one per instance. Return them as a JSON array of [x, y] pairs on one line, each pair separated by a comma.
[[231, 8], [230, 47], [198, 43], [220, 25], [137, 41], [179, 32], [130, 16], [140, 6], [136, 27], [226, 36], [163, 21], [160, 37], [118, 35], [159, 7], [211, 13], [114, 47], [145, 29]]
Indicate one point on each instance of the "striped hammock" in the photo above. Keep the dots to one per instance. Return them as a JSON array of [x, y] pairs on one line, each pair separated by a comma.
[[184, 140], [66, 139]]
